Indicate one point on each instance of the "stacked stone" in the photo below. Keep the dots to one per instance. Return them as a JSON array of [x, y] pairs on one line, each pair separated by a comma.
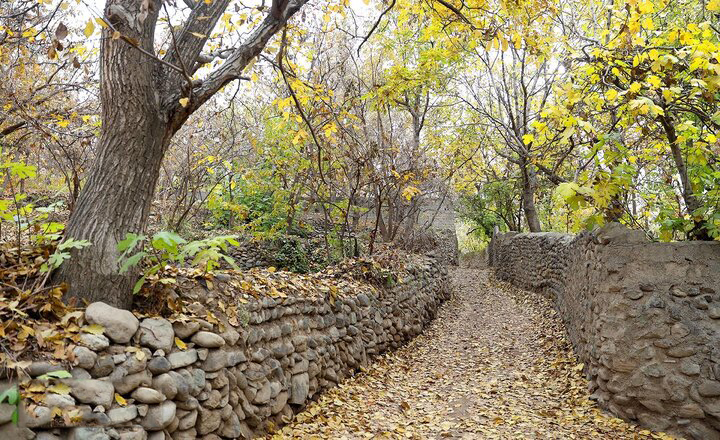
[[643, 317], [226, 382], [448, 247], [250, 254], [535, 261]]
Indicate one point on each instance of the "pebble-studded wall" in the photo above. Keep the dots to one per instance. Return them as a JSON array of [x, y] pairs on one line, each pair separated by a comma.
[[643, 317]]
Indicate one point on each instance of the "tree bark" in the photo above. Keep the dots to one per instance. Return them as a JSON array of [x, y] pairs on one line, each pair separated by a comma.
[[116, 198], [529, 185]]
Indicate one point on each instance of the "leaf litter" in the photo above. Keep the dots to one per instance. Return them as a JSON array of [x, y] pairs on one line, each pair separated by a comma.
[[495, 364]]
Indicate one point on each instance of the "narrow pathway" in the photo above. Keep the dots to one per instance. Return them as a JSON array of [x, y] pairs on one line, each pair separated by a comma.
[[494, 365]]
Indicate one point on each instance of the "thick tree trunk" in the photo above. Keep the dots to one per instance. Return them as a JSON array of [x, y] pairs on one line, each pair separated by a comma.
[[529, 185], [141, 97], [116, 198]]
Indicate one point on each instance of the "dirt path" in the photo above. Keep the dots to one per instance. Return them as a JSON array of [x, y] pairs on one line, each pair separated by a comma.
[[494, 365]]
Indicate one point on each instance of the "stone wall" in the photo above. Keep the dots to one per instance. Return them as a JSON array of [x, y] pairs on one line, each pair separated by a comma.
[[643, 317], [152, 378]]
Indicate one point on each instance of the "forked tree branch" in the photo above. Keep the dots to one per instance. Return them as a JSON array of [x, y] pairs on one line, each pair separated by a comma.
[[236, 63]]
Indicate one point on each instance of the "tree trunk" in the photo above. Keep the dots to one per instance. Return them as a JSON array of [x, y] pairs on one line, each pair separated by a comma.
[[116, 198], [529, 184], [691, 202], [141, 111]]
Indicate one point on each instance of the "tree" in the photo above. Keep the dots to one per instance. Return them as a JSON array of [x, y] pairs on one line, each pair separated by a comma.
[[642, 90], [145, 100], [508, 98], [47, 98]]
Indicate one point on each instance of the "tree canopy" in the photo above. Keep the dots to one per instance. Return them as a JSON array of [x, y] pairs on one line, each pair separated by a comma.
[[359, 118]]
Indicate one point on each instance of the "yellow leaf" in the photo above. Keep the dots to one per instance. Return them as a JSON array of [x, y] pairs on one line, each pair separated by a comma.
[[139, 354], [120, 400], [59, 388], [646, 7], [180, 344], [667, 94], [184, 101], [654, 81], [89, 29], [714, 5], [35, 387], [611, 94], [647, 23], [271, 269], [94, 329]]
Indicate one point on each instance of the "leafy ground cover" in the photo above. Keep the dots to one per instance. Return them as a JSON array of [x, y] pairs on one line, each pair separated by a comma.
[[35, 322]]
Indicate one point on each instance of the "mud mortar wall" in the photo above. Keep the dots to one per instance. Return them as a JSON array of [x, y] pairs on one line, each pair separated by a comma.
[[644, 318], [231, 382]]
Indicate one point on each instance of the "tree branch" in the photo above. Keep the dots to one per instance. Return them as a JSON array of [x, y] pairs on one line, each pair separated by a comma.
[[195, 33], [233, 67], [375, 25]]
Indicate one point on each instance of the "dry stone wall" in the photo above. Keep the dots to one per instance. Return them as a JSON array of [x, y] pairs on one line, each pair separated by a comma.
[[134, 382], [643, 317]]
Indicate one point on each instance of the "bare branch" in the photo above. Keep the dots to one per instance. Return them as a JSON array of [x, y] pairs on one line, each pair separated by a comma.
[[236, 63], [195, 33], [375, 25]]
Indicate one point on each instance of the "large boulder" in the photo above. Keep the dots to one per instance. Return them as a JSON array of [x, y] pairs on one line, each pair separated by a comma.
[[300, 388], [120, 325], [208, 340], [93, 392], [157, 333], [148, 395], [159, 416]]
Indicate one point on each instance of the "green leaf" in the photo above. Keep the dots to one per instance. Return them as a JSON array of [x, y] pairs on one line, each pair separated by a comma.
[[71, 243], [138, 285], [153, 270], [131, 240], [167, 241], [132, 261], [11, 395], [193, 248], [231, 261], [60, 374]]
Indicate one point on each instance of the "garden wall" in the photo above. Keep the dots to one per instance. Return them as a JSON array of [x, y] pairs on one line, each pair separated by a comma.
[[145, 377], [643, 317]]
